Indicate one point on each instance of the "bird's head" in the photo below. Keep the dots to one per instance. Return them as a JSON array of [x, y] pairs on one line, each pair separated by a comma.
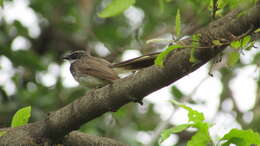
[[75, 55]]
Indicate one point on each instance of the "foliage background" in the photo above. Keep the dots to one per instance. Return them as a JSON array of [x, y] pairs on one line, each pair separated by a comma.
[[34, 35]]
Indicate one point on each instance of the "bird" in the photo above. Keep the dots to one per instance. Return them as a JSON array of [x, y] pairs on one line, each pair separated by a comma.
[[90, 71], [95, 72]]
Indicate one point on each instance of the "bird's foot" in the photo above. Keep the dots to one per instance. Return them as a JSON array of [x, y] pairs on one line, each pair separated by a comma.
[[137, 100]]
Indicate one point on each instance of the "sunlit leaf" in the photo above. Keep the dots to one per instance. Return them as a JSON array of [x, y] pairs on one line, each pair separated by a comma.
[[258, 30], [195, 43], [221, 4], [195, 39], [161, 57], [236, 44], [244, 137], [178, 23], [120, 112], [217, 42], [176, 92], [166, 133], [233, 58], [116, 7], [201, 137], [21, 117], [241, 43], [250, 46], [245, 41], [193, 115]]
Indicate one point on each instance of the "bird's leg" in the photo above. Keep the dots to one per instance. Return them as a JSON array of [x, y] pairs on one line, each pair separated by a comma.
[[137, 100], [216, 60]]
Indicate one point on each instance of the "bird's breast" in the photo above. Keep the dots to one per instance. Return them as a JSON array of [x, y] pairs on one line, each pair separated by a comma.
[[91, 82], [85, 79]]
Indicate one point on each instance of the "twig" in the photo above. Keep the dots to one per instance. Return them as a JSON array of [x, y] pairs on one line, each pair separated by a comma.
[[166, 123], [159, 129]]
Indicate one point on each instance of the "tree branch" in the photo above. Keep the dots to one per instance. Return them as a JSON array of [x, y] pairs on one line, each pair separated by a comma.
[[79, 139], [110, 98]]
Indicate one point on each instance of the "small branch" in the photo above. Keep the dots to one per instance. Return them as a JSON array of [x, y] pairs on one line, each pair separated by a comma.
[[164, 124], [156, 134], [215, 8]]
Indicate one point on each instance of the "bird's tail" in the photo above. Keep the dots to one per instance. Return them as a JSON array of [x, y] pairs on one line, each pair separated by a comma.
[[135, 63]]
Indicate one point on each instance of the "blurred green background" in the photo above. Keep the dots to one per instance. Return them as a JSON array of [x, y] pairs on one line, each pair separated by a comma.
[[35, 34]]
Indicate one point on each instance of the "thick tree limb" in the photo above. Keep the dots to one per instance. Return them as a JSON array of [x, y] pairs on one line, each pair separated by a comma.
[[80, 139], [73, 138], [96, 102]]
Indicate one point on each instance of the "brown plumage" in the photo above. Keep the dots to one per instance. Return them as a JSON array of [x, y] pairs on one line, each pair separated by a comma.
[[91, 71]]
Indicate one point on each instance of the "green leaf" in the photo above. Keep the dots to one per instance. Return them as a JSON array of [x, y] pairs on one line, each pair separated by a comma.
[[238, 141], [161, 57], [221, 4], [21, 117], [193, 115], [116, 7], [195, 39], [241, 43], [236, 44], [242, 137], [258, 30], [2, 133], [250, 46], [176, 92], [21, 29], [166, 133], [217, 42], [201, 137], [195, 43], [245, 41], [233, 58], [178, 24], [193, 59], [180, 128]]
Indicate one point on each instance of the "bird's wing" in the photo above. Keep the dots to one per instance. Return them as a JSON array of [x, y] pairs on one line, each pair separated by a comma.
[[97, 69]]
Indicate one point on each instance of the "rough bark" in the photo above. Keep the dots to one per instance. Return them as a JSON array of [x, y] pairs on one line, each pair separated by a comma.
[[80, 139]]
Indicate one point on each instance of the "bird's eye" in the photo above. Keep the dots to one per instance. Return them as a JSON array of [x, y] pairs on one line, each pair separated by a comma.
[[76, 55]]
